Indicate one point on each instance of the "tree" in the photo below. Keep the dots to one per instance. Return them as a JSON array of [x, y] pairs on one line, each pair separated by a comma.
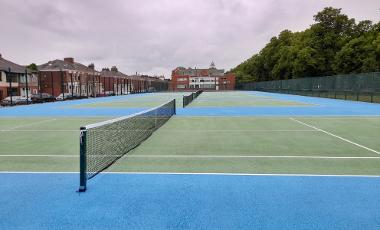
[[333, 44], [32, 67]]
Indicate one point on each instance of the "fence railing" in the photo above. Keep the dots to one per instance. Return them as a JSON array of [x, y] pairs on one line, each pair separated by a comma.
[[358, 87]]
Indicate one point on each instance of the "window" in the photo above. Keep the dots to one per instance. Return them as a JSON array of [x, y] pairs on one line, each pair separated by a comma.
[[182, 79], [181, 86]]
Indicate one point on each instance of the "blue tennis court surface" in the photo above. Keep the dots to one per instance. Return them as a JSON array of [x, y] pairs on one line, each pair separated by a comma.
[[127, 201], [232, 160]]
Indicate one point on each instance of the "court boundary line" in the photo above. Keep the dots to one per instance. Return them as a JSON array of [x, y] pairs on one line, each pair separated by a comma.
[[285, 116], [27, 125], [238, 130], [336, 136], [202, 156], [172, 131], [38, 130], [190, 173]]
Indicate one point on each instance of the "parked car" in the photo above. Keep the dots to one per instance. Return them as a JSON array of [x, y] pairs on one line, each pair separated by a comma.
[[109, 93], [42, 97], [16, 100], [101, 95], [68, 96]]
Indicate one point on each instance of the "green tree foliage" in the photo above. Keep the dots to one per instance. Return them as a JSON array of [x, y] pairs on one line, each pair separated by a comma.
[[32, 67], [334, 44]]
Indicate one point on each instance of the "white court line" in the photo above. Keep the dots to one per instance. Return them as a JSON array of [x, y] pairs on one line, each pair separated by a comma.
[[214, 174], [242, 156], [331, 134], [200, 156], [181, 116], [38, 130], [172, 131], [39, 155], [26, 125], [238, 130], [348, 117]]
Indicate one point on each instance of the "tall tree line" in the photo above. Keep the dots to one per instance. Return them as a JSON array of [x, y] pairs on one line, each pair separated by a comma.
[[334, 44]]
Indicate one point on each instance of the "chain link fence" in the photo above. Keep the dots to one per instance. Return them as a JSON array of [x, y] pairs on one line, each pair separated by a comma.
[[357, 87]]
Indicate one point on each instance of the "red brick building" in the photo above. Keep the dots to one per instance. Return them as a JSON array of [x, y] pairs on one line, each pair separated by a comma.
[[206, 79], [115, 82], [69, 77]]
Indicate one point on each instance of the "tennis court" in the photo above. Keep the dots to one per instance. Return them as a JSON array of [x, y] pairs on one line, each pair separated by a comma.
[[229, 160]]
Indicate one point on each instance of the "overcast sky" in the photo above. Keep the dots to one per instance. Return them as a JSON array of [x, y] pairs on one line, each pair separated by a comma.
[[155, 36]]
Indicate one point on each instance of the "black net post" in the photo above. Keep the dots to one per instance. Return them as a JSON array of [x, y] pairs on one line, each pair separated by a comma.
[[9, 76], [27, 86], [39, 85], [72, 85], [62, 84], [80, 86], [175, 107], [82, 160]]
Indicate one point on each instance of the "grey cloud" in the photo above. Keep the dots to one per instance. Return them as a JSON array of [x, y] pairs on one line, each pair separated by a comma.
[[155, 36]]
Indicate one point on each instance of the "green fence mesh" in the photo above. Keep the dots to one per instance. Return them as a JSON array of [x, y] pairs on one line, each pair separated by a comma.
[[359, 87]]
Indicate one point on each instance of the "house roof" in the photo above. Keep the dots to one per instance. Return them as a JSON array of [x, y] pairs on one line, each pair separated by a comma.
[[57, 65], [5, 65], [109, 73]]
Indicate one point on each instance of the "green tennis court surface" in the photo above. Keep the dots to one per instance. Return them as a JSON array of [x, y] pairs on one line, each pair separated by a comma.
[[207, 144], [229, 99]]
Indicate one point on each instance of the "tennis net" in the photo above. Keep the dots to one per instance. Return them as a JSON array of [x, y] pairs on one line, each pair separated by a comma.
[[103, 143], [187, 99]]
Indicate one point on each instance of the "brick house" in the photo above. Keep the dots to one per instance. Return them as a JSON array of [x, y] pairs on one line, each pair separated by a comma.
[[69, 77], [206, 79], [118, 83], [115, 82]]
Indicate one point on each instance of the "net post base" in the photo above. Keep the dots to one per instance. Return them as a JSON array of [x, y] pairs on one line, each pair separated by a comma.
[[82, 189]]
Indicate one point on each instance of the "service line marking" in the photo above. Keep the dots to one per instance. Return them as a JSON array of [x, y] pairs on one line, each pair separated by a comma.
[[199, 156], [205, 173], [336, 136], [27, 125]]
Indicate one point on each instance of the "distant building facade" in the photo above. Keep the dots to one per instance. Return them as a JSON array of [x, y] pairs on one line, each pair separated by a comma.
[[16, 80], [205, 79], [68, 77]]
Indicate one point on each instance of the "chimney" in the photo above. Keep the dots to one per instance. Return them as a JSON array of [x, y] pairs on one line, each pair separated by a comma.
[[105, 69], [1, 56], [114, 69], [69, 60], [91, 66]]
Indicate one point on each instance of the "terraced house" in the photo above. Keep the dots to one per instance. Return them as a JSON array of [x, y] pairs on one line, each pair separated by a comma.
[[70, 78], [16, 80], [67, 79], [116, 82]]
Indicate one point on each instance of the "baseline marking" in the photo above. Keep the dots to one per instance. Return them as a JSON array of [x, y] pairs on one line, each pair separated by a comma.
[[38, 130], [336, 136], [199, 156], [238, 130], [189, 173], [171, 131]]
